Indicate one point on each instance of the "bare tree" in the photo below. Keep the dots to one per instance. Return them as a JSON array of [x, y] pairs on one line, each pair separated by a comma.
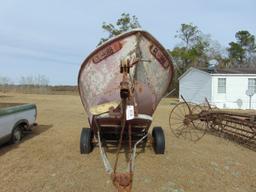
[[4, 83], [37, 83]]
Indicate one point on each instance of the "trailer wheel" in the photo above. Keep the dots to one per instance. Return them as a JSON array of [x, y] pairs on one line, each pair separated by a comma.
[[16, 135], [158, 140], [86, 141]]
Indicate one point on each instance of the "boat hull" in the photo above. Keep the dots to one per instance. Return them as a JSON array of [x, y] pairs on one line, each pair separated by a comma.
[[99, 77]]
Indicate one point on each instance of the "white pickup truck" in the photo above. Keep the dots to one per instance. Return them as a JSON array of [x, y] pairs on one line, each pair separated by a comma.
[[15, 119]]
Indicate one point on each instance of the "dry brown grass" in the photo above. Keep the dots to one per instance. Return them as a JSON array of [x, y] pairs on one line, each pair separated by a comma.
[[49, 158]]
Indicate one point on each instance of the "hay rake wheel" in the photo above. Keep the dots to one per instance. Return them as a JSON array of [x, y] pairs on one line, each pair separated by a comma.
[[176, 119], [185, 122], [200, 124]]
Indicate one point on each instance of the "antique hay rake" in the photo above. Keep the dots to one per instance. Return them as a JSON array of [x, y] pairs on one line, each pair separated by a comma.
[[192, 121]]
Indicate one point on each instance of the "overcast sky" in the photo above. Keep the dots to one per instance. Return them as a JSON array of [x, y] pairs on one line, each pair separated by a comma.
[[53, 37]]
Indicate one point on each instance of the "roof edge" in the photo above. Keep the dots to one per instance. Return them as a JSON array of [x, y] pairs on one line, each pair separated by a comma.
[[190, 69]]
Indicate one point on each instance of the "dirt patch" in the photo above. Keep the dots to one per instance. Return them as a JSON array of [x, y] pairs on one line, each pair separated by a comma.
[[49, 158]]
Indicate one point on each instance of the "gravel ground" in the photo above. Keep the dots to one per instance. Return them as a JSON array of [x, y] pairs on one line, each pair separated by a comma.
[[49, 158]]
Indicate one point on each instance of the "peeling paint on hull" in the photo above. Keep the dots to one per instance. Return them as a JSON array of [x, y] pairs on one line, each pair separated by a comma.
[[99, 77]]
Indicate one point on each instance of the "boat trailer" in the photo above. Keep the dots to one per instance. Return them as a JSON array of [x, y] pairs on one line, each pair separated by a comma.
[[132, 131], [191, 121], [120, 85]]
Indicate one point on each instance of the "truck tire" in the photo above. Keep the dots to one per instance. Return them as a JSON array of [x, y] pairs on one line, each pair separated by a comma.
[[158, 140], [86, 137], [16, 135]]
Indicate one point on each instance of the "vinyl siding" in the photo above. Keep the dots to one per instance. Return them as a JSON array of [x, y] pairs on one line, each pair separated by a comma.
[[195, 86], [236, 87]]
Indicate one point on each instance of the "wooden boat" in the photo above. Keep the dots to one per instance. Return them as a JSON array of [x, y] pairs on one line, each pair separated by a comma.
[[120, 84]]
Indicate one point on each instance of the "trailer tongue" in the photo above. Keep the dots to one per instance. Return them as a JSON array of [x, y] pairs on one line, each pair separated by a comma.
[[120, 85]]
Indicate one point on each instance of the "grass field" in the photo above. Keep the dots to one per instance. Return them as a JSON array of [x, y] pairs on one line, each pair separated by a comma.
[[49, 159]]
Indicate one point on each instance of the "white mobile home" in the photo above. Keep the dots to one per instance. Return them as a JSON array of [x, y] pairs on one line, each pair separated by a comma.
[[225, 88]]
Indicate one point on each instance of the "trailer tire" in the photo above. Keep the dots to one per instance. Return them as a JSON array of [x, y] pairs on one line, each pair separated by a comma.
[[86, 137], [158, 140], [16, 134]]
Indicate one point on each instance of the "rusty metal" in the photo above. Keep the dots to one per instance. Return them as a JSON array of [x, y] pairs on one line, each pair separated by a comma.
[[192, 121], [185, 122], [131, 70]]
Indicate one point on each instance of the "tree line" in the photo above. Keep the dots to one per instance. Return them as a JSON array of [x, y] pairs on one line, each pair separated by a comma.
[[38, 84], [27, 84]]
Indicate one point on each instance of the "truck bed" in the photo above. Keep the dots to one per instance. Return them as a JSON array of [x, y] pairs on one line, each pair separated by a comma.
[[4, 105], [9, 108]]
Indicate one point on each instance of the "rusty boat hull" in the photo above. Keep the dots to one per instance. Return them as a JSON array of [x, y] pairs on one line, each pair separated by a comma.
[[99, 79]]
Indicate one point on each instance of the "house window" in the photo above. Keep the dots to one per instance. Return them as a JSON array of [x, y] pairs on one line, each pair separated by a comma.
[[221, 85], [252, 84]]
